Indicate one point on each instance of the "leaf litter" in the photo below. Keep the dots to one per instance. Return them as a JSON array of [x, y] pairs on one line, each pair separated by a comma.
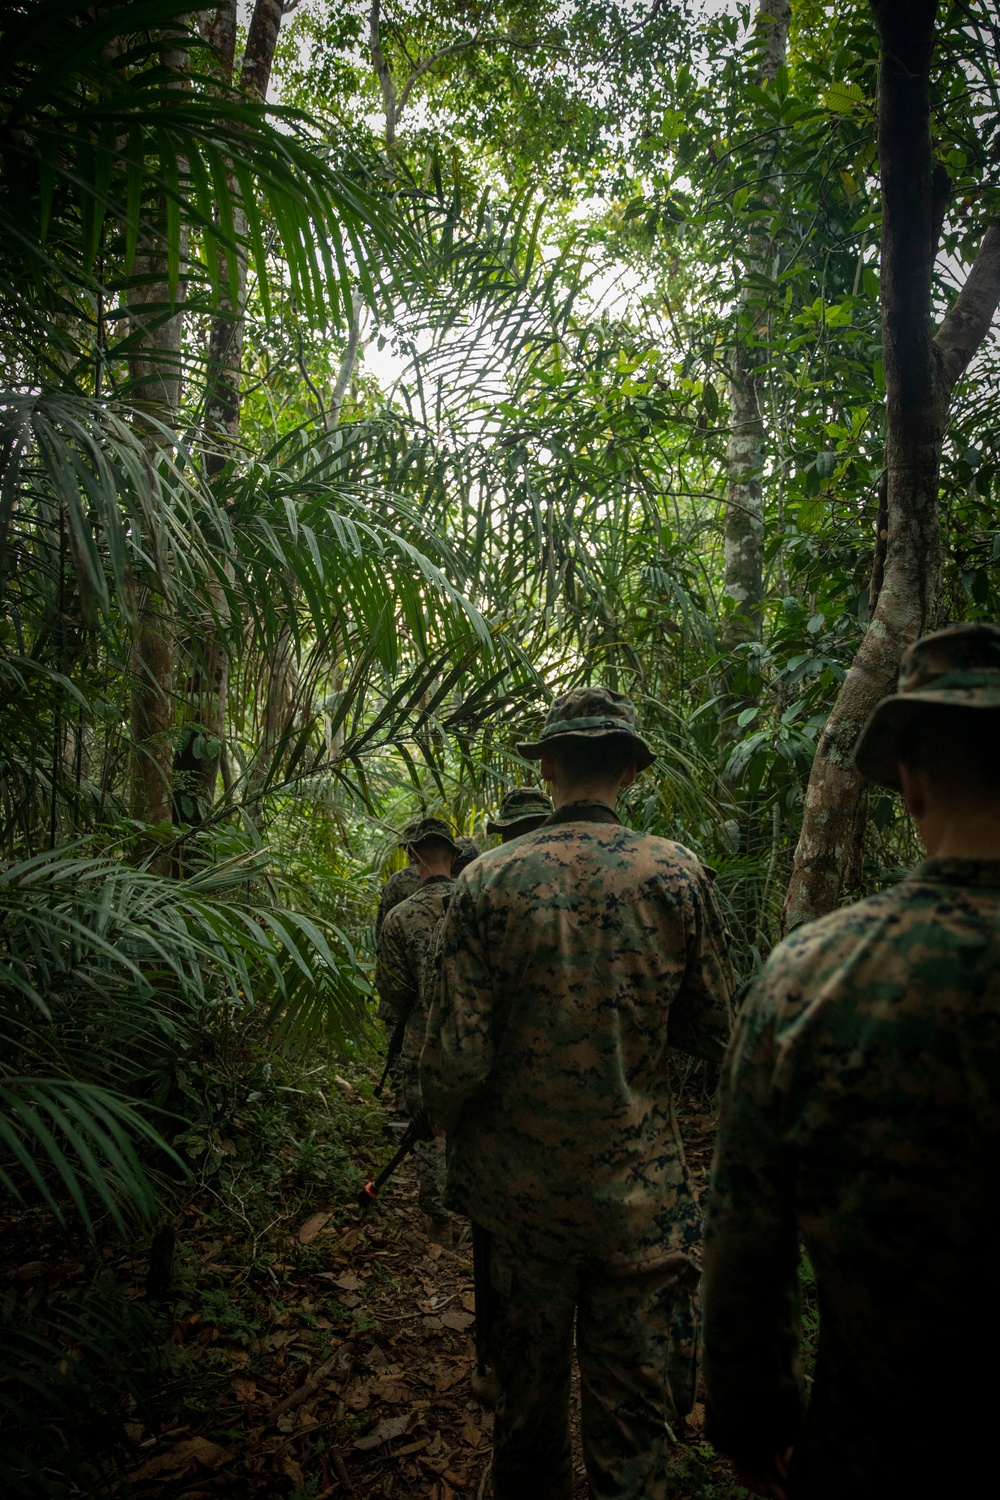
[[331, 1353]]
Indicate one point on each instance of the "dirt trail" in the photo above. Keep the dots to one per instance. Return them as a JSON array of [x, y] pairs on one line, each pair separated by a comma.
[[304, 1349], [361, 1385]]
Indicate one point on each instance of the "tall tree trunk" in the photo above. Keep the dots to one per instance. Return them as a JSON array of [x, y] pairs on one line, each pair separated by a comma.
[[206, 659], [920, 374], [155, 372], [225, 353], [743, 572]]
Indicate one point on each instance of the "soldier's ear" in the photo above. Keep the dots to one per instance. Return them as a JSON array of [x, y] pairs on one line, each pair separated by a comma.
[[628, 776], [914, 786]]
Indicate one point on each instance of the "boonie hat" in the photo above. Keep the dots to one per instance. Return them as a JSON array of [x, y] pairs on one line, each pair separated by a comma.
[[959, 665], [414, 834], [468, 850], [525, 804], [589, 713]]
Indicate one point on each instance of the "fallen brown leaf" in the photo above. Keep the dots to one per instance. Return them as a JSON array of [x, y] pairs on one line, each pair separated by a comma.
[[311, 1228], [31, 1270], [183, 1456], [471, 1434], [416, 1447], [455, 1318], [446, 1377], [393, 1393], [279, 1340], [391, 1428]]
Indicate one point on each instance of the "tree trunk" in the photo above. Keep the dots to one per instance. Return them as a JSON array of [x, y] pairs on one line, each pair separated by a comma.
[[206, 660], [155, 373], [920, 374], [382, 74], [225, 353], [743, 569]]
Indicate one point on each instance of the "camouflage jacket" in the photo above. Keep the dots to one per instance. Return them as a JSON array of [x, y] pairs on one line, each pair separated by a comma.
[[861, 1112], [569, 961], [399, 887], [407, 938]]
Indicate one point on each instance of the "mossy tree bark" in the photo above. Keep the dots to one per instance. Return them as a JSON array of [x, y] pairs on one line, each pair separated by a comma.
[[155, 375]]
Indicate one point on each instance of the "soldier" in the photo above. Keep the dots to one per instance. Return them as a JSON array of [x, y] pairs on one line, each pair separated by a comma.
[[398, 888], [467, 852], [861, 1113], [401, 884], [521, 811], [570, 959], [405, 943]]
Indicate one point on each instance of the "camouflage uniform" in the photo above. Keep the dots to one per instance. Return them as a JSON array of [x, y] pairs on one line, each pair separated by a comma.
[[399, 887], [570, 960], [406, 941], [521, 811], [861, 1113], [468, 850]]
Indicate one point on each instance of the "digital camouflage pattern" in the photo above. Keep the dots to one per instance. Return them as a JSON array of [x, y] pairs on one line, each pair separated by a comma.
[[399, 887], [637, 1346], [861, 1111], [522, 809], [589, 713], [468, 850], [407, 938], [406, 941], [958, 667], [570, 960], [415, 833]]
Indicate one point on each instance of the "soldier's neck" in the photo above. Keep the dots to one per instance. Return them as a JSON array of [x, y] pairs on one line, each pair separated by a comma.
[[584, 791], [961, 832]]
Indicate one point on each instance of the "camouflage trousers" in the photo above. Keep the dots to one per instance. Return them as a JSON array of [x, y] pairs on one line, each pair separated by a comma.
[[428, 1156], [637, 1335], [429, 1159]]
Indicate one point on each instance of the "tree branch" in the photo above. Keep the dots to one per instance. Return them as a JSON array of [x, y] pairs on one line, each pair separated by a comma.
[[346, 368], [383, 75], [465, 45], [968, 320]]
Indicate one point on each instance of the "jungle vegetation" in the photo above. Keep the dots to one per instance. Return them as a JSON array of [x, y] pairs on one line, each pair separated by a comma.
[[373, 372]]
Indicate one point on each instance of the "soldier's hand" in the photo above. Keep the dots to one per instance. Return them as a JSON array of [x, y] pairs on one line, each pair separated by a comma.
[[769, 1479], [422, 1125]]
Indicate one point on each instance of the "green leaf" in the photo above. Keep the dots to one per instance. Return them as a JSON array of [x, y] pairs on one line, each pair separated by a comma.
[[843, 98]]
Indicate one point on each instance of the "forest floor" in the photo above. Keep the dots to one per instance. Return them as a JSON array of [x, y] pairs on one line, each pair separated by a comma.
[[310, 1351]]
